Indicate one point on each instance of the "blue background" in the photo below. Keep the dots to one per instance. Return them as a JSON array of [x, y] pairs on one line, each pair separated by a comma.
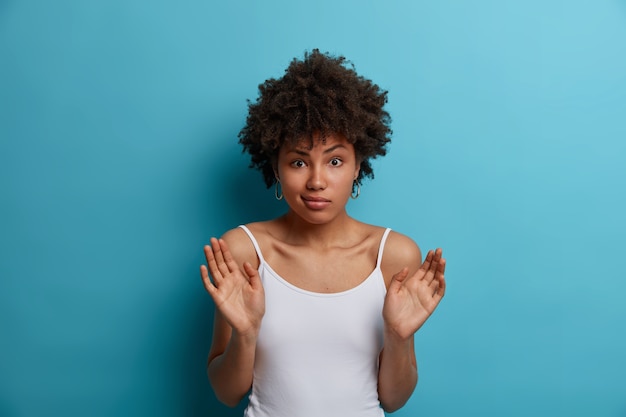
[[119, 159]]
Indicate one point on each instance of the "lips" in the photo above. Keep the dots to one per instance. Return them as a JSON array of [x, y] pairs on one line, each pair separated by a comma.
[[315, 203]]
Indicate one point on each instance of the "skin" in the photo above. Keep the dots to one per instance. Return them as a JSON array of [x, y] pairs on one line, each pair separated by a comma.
[[317, 246]]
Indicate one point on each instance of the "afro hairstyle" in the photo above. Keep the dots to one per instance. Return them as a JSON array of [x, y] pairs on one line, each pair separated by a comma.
[[320, 94]]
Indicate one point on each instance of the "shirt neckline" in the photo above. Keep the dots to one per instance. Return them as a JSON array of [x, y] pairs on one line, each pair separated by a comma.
[[293, 287]]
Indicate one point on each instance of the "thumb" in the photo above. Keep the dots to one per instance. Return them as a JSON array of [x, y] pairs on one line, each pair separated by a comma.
[[253, 275], [399, 277]]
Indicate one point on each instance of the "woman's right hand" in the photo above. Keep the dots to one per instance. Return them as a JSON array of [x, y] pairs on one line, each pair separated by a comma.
[[239, 296]]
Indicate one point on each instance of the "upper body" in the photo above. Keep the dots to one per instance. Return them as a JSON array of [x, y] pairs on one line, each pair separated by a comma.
[[318, 248], [321, 341]]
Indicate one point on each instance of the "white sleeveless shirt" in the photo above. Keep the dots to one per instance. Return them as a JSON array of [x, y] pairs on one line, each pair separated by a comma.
[[317, 353]]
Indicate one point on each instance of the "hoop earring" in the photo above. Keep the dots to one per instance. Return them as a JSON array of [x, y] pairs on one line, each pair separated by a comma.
[[358, 190], [278, 197]]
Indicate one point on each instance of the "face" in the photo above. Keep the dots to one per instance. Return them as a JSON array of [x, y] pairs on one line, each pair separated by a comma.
[[317, 181]]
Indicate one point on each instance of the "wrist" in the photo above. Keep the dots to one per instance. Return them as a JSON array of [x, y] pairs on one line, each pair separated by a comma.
[[402, 349], [246, 337], [392, 337]]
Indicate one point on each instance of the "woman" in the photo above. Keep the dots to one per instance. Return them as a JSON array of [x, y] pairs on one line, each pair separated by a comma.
[[316, 311]]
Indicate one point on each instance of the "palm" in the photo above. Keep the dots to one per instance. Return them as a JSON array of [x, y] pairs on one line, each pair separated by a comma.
[[411, 300], [239, 298]]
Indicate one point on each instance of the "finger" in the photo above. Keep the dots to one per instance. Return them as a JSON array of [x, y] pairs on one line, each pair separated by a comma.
[[219, 256], [208, 285], [398, 279], [436, 270], [211, 262], [253, 275], [423, 269], [434, 286], [432, 269], [228, 258], [401, 276], [441, 291], [434, 266], [441, 269], [437, 256]]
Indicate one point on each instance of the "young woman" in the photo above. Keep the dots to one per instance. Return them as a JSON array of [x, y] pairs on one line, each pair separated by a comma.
[[316, 311]]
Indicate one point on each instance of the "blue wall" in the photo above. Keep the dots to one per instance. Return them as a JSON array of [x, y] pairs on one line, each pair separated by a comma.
[[118, 160]]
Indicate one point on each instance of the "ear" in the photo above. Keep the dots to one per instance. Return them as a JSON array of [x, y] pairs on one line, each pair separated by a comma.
[[357, 169], [275, 169]]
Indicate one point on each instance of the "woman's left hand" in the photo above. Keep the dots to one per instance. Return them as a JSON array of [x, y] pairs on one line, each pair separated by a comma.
[[411, 300]]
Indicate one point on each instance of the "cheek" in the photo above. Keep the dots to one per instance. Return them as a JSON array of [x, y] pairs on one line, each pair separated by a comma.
[[292, 182], [342, 182]]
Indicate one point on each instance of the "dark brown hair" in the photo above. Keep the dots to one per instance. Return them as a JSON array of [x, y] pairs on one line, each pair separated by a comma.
[[319, 94]]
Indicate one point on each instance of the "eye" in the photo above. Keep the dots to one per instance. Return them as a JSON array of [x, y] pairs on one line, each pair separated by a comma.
[[336, 162], [298, 163]]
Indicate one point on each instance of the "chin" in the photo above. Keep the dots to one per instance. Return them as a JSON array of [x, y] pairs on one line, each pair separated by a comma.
[[320, 219]]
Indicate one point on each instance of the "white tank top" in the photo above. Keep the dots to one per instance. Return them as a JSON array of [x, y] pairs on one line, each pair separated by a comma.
[[317, 353]]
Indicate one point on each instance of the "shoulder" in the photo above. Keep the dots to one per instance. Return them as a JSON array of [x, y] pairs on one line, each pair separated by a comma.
[[241, 247], [400, 251]]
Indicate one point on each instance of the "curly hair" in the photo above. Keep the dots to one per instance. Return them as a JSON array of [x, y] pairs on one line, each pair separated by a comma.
[[319, 94]]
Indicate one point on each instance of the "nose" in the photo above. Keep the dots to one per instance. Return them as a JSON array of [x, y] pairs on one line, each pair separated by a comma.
[[316, 180]]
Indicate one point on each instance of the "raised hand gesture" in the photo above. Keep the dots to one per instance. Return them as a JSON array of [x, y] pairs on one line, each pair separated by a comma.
[[238, 295], [411, 300]]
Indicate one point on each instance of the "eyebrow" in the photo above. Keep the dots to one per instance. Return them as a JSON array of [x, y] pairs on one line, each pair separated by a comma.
[[329, 150]]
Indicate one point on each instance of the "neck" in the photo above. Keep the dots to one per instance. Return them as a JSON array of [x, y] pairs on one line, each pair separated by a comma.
[[331, 234]]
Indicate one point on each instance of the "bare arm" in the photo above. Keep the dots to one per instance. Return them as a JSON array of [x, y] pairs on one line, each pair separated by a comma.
[[412, 296], [397, 373], [240, 305], [230, 369]]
